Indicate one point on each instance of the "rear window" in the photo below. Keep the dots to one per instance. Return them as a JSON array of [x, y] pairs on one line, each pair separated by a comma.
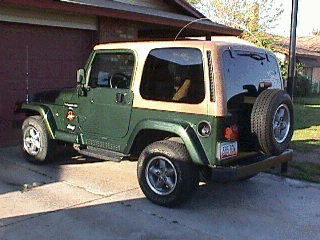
[[173, 75], [249, 68]]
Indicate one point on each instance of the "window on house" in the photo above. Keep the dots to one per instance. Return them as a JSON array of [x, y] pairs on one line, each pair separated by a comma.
[[173, 75], [308, 71]]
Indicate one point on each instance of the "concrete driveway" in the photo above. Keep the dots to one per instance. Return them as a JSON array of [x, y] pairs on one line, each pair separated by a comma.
[[85, 199]]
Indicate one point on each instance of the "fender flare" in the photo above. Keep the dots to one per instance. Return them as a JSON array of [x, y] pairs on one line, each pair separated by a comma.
[[46, 115], [183, 130]]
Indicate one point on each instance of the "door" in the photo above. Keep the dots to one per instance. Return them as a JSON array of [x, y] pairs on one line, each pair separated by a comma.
[[106, 109]]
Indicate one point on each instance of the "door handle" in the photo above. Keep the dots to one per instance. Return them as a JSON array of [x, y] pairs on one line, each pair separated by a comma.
[[120, 98]]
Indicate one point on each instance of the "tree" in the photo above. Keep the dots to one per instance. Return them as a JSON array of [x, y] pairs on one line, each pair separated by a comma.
[[255, 17], [193, 2], [316, 32]]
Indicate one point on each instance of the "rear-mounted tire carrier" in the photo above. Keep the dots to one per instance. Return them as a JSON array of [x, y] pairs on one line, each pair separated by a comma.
[[272, 121]]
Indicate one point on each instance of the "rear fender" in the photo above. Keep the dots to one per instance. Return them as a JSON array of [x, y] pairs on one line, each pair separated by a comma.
[[184, 131], [46, 114]]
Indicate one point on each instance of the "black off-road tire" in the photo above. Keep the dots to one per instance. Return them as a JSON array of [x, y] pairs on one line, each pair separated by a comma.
[[166, 174], [272, 121], [37, 147]]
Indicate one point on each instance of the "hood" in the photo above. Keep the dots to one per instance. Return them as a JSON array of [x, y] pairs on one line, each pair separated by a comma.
[[54, 96]]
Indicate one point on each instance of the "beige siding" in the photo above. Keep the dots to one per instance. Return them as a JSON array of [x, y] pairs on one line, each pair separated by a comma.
[[157, 4], [46, 18]]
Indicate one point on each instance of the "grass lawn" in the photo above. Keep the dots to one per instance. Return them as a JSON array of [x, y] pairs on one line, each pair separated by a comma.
[[306, 136], [304, 171]]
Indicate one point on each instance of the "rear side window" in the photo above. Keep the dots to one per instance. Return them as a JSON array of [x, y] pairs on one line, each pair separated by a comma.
[[243, 68], [173, 75]]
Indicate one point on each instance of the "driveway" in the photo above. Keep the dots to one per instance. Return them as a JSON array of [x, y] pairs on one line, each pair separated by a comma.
[[77, 198]]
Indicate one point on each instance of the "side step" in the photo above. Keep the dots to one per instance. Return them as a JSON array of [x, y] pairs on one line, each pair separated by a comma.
[[101, 153]]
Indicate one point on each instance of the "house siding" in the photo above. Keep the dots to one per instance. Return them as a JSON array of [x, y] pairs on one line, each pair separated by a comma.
[[54, 19], [156, 4]]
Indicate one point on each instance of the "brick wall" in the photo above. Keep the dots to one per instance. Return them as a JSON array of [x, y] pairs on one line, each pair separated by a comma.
[[114, 30]]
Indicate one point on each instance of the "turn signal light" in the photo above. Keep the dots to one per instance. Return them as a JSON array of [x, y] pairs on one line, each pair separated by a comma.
[[232, 133]]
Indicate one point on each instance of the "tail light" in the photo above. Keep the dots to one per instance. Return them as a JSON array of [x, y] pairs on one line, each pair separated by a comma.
[[232, 133]]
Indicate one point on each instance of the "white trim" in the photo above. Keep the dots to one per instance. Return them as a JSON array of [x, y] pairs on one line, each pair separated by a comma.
[[55, 19]]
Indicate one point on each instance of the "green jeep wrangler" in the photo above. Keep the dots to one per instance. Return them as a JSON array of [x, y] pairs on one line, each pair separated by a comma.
[[180, 108]]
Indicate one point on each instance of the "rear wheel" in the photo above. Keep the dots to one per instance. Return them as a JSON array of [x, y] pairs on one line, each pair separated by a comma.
[[166, 174], [37, 146]]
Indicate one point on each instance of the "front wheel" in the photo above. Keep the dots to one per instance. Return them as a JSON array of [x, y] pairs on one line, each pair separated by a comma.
[[166, 175], [37, 146]]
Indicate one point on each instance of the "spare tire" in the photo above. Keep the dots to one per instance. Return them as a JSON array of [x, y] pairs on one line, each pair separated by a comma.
[[272, 121]]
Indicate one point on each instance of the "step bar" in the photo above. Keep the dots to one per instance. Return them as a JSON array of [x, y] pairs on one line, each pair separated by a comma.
[[100, 153]]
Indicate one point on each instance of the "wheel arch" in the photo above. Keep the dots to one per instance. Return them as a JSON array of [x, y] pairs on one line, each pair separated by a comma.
[[149, 131], [46, 114]]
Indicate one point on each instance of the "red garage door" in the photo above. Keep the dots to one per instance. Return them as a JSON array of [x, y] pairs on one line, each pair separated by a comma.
[[50, 55]]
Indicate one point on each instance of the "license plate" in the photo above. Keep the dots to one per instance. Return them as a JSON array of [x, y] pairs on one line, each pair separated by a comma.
[[227, 150]]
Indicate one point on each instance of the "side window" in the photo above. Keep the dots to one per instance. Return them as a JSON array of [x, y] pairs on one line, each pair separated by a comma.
[[173, 75], [112, 70]]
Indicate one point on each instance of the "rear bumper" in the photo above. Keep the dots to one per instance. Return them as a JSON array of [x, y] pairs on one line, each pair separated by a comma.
[[250, 167]]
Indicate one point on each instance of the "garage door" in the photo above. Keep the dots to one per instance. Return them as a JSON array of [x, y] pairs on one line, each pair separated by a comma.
[[49, 55]]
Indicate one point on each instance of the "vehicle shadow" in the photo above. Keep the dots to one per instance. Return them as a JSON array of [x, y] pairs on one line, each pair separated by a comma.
[[17, 174]]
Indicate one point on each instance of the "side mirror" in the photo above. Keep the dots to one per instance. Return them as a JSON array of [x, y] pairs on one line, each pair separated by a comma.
[[80, 76]]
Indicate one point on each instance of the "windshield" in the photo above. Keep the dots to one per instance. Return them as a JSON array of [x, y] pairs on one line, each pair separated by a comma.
[[242, 68]]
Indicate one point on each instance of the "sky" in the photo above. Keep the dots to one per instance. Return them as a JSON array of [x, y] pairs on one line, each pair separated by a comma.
[[308, 18]]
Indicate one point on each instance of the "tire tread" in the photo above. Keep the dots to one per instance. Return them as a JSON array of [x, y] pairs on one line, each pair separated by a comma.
[[262, 120], [188, 181]]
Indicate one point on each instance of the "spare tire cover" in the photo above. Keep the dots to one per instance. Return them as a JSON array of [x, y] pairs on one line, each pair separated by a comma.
[[272, 121]]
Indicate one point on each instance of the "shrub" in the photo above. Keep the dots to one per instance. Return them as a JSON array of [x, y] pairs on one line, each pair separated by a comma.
[[315, 88], [302, 87]]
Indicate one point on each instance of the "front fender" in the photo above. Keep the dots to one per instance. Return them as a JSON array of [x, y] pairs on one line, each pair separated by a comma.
[[184, 131], [46, 115]]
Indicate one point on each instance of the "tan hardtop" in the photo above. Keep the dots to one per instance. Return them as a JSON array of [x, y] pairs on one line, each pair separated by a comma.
[[215, 41], [217, 45]]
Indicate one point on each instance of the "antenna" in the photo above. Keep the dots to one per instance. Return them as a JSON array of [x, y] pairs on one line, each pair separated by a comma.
[[27, 75], [200, 19], [196, 20]]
